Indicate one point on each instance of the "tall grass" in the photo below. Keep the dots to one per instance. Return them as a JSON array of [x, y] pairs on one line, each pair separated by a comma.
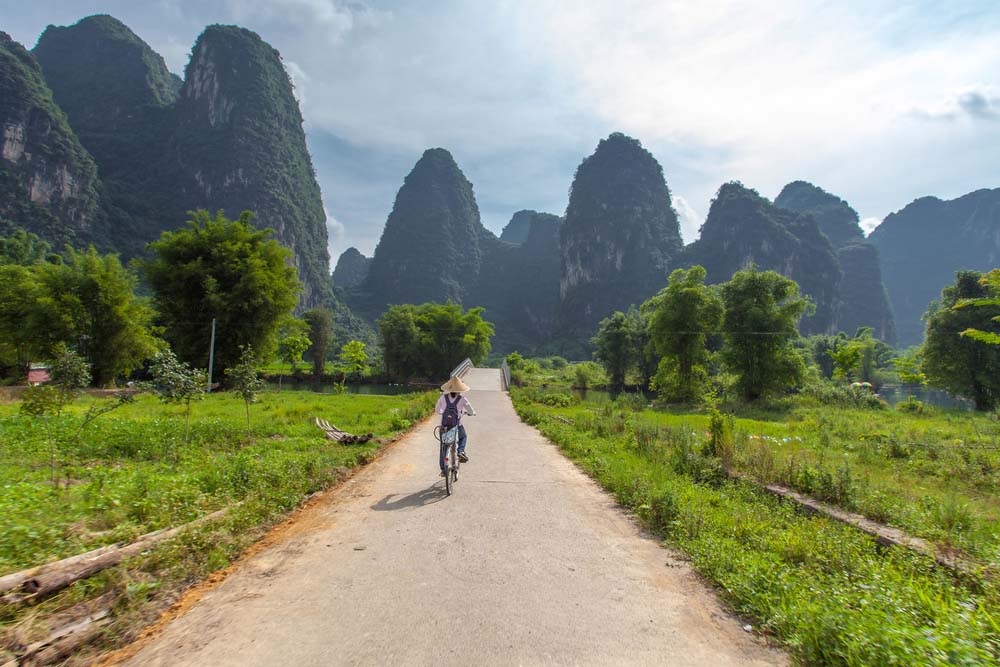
[[830, 592]]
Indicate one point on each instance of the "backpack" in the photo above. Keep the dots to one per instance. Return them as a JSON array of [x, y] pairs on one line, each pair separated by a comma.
[[450, 417]]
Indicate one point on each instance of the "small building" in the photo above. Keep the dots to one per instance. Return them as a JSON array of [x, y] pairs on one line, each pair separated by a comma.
[[38, 374]]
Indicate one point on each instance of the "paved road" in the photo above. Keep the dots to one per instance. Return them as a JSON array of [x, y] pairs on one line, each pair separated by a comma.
[[528, 563]]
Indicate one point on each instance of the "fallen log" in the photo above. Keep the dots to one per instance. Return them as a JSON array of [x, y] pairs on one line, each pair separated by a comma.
[[885, 535], [16, 579], [335, 434], [60, 644], [57, 576]]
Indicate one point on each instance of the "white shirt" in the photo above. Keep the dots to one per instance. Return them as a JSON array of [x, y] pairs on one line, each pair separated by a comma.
[[463, 406]]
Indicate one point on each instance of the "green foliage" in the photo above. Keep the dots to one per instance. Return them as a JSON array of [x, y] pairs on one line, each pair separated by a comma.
[[957, 363], [742, 226], [88, 302], [223, 269], [761, 312], [245, 381], [129, 476], [991, 281], [829, 393], [68, 369], [25, 248], [922, 245], [514, 360], [293, 341], [846, 358], [431, 339], [615, 346], [176, 382], [353, 358], [320, 335], [681, 318], [908, 366], [829, 591]]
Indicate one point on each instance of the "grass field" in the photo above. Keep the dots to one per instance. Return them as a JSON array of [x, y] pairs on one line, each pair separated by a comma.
[[131, 471], [827, 590]]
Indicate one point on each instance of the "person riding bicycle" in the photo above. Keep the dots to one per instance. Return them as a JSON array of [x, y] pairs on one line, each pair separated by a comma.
[[451, 406]]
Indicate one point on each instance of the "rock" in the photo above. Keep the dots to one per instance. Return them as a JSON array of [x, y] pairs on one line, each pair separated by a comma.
[[923, 245], [619, 236]]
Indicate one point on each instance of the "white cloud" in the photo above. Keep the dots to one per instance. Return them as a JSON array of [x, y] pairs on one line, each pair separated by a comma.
[[335, 237], [520, 92], [299, 80], [689, 218], [868, 225]]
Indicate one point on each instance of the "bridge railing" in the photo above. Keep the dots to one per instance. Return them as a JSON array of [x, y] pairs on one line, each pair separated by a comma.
[[462, 368], [505, 372]]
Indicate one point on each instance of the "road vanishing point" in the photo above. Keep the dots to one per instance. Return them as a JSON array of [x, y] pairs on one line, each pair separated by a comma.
[[529, 563]]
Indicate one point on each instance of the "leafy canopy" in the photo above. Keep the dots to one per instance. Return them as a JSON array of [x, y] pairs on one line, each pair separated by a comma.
[[431, 339], [227, 270], [88, 302], [681, 318], [761, 311], [320, 321], [960, 363], [615, 347]]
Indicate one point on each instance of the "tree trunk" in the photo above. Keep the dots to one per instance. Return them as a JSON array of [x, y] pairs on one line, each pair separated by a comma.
[[249, 436]]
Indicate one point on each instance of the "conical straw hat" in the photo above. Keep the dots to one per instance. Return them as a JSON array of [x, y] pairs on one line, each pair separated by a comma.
[[455, 384]]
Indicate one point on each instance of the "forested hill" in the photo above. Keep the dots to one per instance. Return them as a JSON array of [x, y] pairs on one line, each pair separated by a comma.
[[48, 181], [743, 227], [834, 216], [229, 137], [863, 301], [433, 243], [925, 243], [619, 234]]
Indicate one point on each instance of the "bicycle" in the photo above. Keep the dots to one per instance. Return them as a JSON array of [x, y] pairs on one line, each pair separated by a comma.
[[448, 437]]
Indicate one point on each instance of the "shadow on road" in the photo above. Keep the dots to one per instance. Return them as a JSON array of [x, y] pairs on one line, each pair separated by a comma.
[[394, 501]]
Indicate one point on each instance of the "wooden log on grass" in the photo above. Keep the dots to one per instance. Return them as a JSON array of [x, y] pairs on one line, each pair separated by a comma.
[[71, 629], [61, 644], [58, 575], [15, 580]]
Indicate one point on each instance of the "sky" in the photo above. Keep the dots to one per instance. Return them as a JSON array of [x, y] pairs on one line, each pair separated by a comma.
[[877, 102]]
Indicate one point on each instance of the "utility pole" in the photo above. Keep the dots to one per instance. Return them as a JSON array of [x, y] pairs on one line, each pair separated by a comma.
[[211, 358]]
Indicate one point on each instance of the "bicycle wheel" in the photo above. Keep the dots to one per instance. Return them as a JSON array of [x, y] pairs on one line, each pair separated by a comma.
[[448, 483]]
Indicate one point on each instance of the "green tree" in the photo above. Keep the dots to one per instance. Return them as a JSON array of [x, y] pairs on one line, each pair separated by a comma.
[[846, 359], [293, 341], [176, 382], [991, 281], [400, 341], [18, 315], [353, 358], [69, 374], [908, 366], [431, 339], [245, 382], [761, 311], [959, 363], [227, 270], [821, 346], [87, 303], [25, 248], [320, 322], [615, 347], [681, 318]]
